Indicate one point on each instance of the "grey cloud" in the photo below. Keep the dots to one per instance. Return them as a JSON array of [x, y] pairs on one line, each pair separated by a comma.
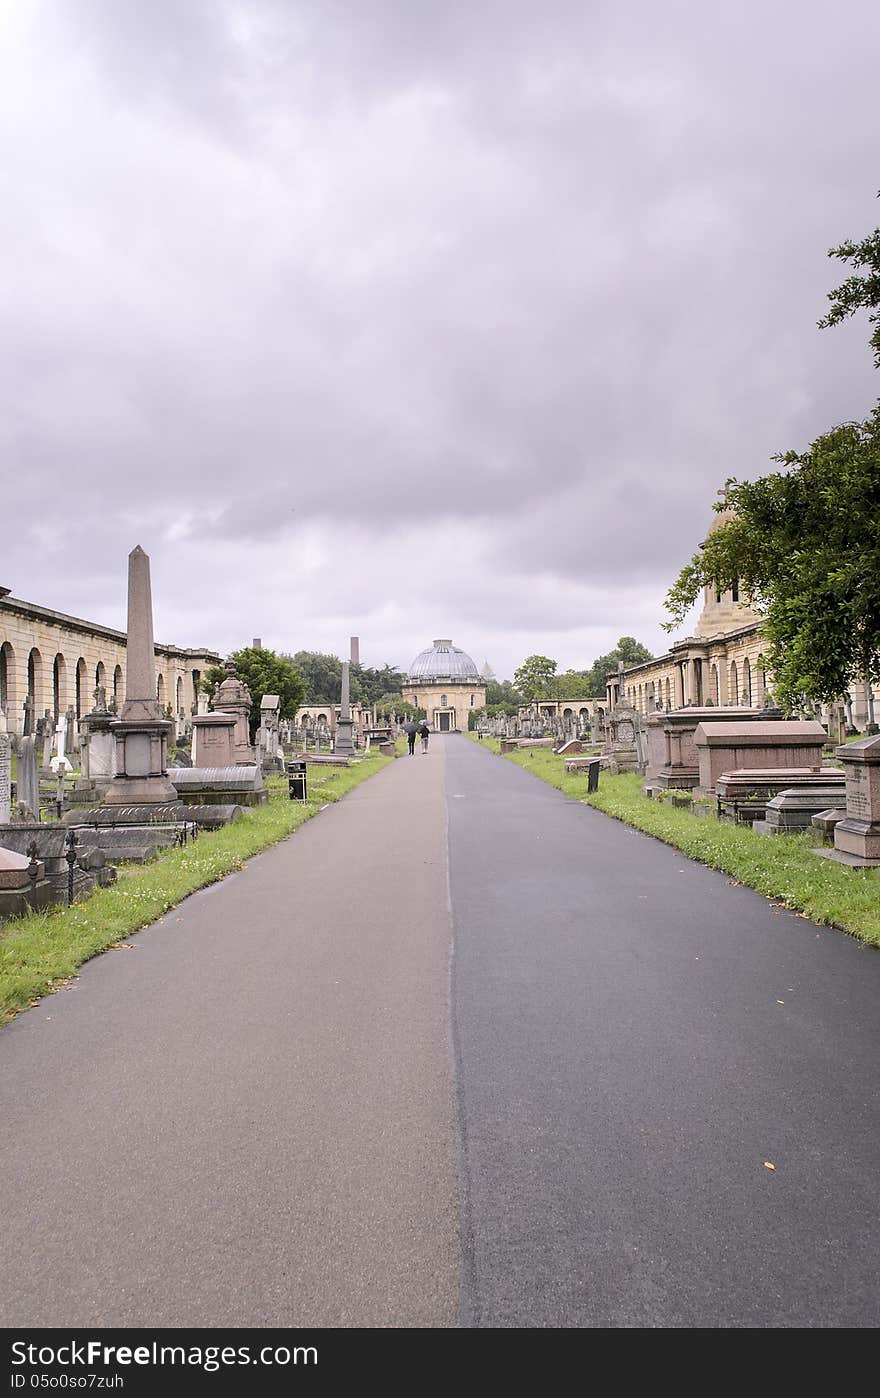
[[541, 275]]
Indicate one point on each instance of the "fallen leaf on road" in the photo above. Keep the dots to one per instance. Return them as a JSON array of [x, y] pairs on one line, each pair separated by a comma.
[[780, 1002], [768, 1165]]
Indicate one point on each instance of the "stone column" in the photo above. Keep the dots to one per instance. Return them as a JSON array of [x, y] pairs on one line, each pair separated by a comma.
[[141, 732], [5, 776], [344, 745]]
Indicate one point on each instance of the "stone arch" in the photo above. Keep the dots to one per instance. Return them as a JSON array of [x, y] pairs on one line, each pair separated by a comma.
[[715, 680], [583, 713], [196, 686], [8, 694], [35, 684], [668, 694], [117, 685], [760, 680], [81, 682], [100, 674], [747, 683], [443, 701], [160, 689], [567, 713], [178, 705], [59, 686], [733, 695]]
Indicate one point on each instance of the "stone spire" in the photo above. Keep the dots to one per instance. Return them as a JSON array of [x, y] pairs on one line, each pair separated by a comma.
[[140, 651]]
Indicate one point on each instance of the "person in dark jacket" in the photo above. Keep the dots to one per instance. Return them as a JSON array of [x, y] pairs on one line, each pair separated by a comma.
[[424, 732], [410, 730]]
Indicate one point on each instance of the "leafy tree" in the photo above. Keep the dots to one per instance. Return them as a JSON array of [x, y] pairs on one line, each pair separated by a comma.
[[858, 292], [322, 675], [805, 547], [628, 650], [573, 685], [503, 697], [394, 703], [534, 678], [263, 672], [372, 684]]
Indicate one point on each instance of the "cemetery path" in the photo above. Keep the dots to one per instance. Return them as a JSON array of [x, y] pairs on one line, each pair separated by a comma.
[[249, 1118], [636, 1037], [263, 1115]]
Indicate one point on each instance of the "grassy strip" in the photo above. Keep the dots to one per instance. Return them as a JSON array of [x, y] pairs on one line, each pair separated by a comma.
[[43, 949], [782, 867]]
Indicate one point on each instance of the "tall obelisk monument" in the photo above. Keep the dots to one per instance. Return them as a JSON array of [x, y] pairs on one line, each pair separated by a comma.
[[141, 732]]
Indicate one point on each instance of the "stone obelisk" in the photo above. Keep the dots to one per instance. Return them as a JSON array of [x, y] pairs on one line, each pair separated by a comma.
[[344, 745], [141, 732]]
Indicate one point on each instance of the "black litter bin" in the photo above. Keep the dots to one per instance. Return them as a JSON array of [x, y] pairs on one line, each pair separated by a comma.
[[297, 786], [593, 776]]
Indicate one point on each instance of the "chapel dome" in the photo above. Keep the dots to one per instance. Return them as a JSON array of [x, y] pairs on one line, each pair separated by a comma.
[[443, 661]]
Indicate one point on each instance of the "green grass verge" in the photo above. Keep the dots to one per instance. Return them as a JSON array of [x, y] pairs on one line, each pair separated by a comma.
[[42, 950], [782, 867]]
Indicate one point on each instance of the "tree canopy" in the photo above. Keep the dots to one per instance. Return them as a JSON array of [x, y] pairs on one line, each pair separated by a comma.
[[804, 542], [263, 672], [628, 650], [323, 679], [858, 292], [534, 678], [501, 695]]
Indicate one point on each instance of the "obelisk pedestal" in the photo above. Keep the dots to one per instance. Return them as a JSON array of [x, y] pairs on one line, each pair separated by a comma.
[[344, 745], [140, 733]]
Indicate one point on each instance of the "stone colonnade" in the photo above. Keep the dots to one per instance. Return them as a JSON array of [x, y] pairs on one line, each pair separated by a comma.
[[56, 662]]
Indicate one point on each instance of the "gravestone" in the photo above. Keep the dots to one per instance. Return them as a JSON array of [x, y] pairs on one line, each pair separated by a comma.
[[857, 836], [233, 697], [728, 747], [214, 740], [5, 778], [59, 762], [27, 785], [624, 748]]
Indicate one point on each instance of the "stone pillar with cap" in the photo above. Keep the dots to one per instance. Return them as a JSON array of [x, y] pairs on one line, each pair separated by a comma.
[[344, 745], [141, 732], [234, 697]]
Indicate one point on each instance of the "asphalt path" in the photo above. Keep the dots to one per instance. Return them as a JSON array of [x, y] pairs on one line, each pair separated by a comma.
[[249, 1117], [278, 1107], [636, 1037]]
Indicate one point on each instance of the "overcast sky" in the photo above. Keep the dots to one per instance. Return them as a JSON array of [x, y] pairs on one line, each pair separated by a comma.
[[409, 319]]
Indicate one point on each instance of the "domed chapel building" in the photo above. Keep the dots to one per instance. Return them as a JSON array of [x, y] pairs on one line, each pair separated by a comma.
[[446, 683]]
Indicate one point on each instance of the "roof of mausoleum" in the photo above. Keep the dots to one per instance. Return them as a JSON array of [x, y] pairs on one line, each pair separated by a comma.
[[443, 661]]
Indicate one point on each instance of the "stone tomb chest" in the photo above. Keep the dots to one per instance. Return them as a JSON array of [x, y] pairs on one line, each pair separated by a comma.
[[729, 747], [673, 762]]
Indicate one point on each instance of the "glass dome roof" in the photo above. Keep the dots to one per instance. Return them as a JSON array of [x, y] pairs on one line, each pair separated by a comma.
[[443, 661]]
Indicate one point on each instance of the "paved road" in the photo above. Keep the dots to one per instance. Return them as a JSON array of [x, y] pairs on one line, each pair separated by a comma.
[[268, 1113]]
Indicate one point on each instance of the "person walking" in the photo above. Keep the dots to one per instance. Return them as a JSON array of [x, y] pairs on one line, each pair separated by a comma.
[[424, 732], [410, 730]]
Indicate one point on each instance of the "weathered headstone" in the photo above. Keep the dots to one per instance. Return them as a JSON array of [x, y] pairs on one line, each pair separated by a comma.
[[233, 697], [214, 740], [5, 778], [27, 784], [857, 836]]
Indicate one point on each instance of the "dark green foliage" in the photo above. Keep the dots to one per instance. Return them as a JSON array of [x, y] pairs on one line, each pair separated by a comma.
[[534, 678], [263, 672], [503, 697], [858, 293], [805, 545], [629, 650], [323, 678]]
